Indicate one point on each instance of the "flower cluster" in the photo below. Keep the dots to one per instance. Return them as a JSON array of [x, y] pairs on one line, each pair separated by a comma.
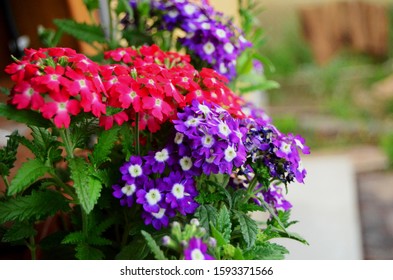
[[210, 137], [57, 82], [160, 197], [210, 35], [271, 152], [156, 84]]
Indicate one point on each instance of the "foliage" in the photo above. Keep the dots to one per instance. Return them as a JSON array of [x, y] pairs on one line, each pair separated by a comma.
[[117, 162]]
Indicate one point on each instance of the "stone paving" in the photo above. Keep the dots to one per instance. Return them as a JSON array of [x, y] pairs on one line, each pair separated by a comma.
[[376, 212]]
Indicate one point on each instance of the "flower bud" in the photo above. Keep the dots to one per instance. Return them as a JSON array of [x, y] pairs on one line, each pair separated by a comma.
[[212, 242], [194, 222]]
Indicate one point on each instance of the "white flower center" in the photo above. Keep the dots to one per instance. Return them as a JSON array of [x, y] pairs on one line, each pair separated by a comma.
[[285, 148], [135, 170], [223, 68], [178, 191], [132, 94], [173, 13], [196, 254], [224, 129], [210, 159], [221, 33], [61, 106], [228, 47], [230, 154], [186, 163], [158, 102], [161, 156], [192, 122], [160, 213], [207, 141], [153, 196], [204, 109], [82, 83], [128, 190], [205, 26], [209, 48], [189, 9], [179, 138]]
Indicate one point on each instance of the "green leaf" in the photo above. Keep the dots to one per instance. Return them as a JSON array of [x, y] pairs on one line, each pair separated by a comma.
[[224, 225], [206, 214], [75, 237], [5, 90], [221, 240], [81, 31], [36, 206], [19, 231], [266, 85], [104, 146], [91, 5], [248, 228], [27, 174], [238, 254], [86, 252], [44, 144], [266, 251], [8, 154], [127, 140], [88, 188], [155, 249], [136, 250], [23, 116]]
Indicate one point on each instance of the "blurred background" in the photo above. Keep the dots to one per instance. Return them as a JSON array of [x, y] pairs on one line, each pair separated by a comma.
[[333, 61]]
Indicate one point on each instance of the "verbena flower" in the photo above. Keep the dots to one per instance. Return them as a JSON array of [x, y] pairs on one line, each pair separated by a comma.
[[210, 35], [214, 137], [58, 83], [156, 84], [196, 250]]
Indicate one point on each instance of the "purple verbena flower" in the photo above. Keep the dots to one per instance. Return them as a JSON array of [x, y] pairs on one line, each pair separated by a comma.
[[196, 250]]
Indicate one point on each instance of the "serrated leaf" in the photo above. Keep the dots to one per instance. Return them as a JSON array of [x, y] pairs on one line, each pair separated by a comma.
[[88, 188], [266, 251], [248, 228], [224, 225], [36, 206], [99, 241], [27, 174], [136, 250], [206, 214], [238, 254], [81, 31], [8, 153], [75, 237], [104, 146], [155, 249], [19, 231], [86, 252], [23, 116], [221, 241]]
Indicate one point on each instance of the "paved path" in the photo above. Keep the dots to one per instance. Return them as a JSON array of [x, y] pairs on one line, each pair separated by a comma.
[[327, 210]]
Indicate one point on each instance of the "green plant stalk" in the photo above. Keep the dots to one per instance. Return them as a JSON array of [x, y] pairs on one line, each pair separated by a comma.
[[67, 189], [32, 247], [5, 179], [85, 224], [65, 135], [137, 143]]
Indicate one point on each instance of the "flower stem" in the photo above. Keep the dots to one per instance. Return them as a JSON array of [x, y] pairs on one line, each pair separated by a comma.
[[137, 143], [65, 135], [33, 248], [85, 224]]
